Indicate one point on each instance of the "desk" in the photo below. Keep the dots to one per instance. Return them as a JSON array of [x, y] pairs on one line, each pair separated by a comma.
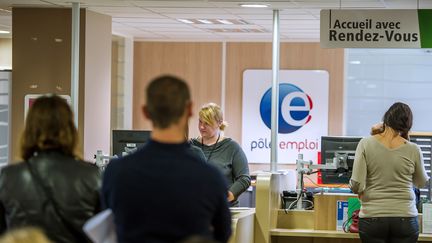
[[321, 236], [273, 225]]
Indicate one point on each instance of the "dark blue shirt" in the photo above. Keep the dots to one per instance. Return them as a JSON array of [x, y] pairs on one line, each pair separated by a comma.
[[166, 193]]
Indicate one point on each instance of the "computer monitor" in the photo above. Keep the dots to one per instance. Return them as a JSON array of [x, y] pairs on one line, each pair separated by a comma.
[[343, 150], [127, 141]]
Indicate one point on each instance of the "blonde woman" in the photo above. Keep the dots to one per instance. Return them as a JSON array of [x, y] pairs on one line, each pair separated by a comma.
[[221, 151]]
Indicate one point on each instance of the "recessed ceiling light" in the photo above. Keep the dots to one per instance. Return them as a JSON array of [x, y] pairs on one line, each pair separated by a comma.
[[186, 21], [355, 62], [4, 32], [254, 5], [205, 21], [225, 21]]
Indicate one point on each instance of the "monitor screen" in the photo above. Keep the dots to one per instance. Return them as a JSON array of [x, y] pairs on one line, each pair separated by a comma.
[[127, 141], [343, 150]]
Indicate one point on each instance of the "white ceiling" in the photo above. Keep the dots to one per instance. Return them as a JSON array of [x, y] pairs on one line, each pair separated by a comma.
[[158, 20]]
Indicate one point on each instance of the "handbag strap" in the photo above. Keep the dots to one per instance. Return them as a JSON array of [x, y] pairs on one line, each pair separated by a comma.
[[78, 234]]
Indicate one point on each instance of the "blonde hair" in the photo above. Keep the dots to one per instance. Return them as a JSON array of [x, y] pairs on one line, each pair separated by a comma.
[[212, 114], [24, 235]]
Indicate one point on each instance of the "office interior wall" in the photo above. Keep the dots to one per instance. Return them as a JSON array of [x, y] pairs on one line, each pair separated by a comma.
[[121, 82], [200, 64], [97, 85], [117, 79], [41, 63], [197, 63], [5, 53]]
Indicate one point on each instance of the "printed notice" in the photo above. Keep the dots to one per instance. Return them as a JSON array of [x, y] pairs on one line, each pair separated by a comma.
[[341, 213], [427, 218], [376, 28]]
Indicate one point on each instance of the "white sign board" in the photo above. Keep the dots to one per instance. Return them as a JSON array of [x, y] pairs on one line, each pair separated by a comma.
[[376, 28], [303, 114], [29, 99]]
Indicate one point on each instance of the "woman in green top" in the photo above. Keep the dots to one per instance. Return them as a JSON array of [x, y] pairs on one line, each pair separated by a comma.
[[223, 152], [386, 167]]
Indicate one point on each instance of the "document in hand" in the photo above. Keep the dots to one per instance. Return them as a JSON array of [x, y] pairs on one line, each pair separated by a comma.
[[100, 228]]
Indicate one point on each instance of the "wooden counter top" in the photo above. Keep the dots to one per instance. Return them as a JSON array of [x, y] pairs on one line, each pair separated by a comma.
[[313, 233], [327, 234]]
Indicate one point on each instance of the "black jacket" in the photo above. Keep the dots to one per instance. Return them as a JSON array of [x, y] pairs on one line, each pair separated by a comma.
[[74, 185]]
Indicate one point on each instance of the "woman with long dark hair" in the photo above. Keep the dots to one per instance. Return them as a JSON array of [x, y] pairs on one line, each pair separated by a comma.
[[386, 167], [51, 188]]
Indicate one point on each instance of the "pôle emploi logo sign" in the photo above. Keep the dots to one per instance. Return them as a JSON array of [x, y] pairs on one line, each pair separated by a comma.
[[303, 114], [294, 108]]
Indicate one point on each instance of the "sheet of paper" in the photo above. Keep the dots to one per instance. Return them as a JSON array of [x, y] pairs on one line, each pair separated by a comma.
[[427, 218], [100, 228]]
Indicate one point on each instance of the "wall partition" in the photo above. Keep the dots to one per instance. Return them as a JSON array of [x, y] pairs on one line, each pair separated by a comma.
[[5, 79]]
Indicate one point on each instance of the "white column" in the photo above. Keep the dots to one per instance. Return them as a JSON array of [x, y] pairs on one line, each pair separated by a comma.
[[275, 92], [75, 59]]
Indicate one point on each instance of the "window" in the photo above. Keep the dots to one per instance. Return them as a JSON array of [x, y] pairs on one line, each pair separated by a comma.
[[376, 78]]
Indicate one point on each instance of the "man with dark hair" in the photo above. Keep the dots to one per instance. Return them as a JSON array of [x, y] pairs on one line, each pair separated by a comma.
[[164, 192]]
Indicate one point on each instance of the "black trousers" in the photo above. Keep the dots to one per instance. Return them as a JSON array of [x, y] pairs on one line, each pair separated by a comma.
[[389, 230]]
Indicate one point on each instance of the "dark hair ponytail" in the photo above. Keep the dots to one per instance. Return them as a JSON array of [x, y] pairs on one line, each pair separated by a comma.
[[399, 117]]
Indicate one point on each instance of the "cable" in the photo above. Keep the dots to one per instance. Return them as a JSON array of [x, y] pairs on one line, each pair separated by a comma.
[[336, 185], [300, 194], [312, 181]]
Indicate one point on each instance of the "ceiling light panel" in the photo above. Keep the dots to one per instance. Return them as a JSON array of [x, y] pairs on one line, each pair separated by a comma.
[[215, 21], [225, 21], [201, 16], [337, 4], [300, 32], [160, 25], [254, 5], [284, 17], [172, 4], [188, 10], [142, 20], [235, 4], [120, 9], [251, 11], [136, 15], [91, 3], [237, 30], [194, 35], [205, 21]]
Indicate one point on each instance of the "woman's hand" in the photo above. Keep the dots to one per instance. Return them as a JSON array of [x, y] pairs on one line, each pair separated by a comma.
[[377, 128], [230, 196]]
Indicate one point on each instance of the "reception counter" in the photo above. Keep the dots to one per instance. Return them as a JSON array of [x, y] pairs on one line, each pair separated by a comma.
[[242, 225], [301, 226]]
